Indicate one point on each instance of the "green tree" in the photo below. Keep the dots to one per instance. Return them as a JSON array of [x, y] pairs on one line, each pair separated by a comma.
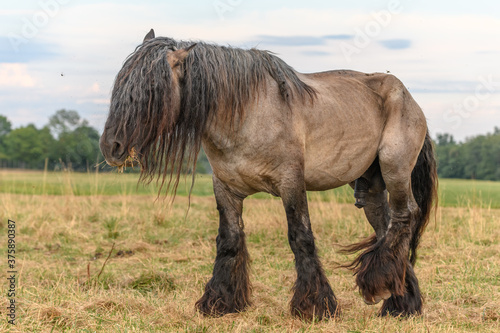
[[449, 157], [5, 128], [488, 165], [77, 145], [64, 121], [476, 158], [79, 149], [28, 147]]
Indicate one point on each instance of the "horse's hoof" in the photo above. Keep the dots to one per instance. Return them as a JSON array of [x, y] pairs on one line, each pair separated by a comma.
[[315, 308], [377, 298], [319, 313]]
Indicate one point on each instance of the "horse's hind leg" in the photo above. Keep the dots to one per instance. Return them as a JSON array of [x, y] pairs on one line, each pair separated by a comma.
[[313, 297], [377, 212], [229, 288], [383, 270]]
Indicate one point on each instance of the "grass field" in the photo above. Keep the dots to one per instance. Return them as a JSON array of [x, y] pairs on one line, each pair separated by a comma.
[[453, 192], [67, 225]]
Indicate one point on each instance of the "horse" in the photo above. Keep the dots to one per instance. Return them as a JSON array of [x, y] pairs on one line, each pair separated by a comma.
[[267, 128]]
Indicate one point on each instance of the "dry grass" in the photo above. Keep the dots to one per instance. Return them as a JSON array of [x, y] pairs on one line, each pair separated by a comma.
[[161, 262]]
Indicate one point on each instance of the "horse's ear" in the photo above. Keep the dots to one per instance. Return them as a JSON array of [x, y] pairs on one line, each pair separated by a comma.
[[177, 57], [150, 35]]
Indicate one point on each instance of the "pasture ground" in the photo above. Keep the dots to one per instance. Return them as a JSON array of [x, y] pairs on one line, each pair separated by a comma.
[[159, 260]]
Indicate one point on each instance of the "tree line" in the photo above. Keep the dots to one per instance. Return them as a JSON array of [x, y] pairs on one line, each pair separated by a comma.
[[477, 157], [69, 142], [66, 142]]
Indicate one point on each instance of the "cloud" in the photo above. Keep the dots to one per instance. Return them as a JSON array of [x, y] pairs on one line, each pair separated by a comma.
[[299, 40], [24, 115], [396, 44], [311, 53], [97, 101], [488, 52], [290, 40], [96, 88], [89, 53], [15, 76], [339, 37], [18, 49]]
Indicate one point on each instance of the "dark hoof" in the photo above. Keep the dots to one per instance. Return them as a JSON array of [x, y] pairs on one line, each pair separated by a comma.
[[384, 295], [379, 273], [312, 308], [410, 304], [212, 304], [401, 306], [212, 308]]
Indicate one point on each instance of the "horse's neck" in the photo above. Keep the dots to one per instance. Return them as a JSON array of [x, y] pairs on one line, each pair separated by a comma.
[[225, 132]]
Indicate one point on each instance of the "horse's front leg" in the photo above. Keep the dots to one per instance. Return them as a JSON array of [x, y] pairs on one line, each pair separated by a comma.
[[229, 288], [313, 297]]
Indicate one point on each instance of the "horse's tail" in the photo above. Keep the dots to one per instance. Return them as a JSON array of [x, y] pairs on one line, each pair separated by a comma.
[[424, 182]]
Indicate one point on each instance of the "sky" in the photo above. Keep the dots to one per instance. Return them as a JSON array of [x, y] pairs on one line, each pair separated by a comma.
[[65, 54]]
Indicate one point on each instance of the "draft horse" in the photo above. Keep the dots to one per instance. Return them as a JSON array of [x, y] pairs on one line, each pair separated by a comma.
[[268, 128]]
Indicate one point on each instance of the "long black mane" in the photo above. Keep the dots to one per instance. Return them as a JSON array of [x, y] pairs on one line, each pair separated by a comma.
[[218, 83]]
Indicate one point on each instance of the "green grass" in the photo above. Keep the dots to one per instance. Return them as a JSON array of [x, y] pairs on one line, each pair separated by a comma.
[[463, 193], [76, 183], [452, 192]]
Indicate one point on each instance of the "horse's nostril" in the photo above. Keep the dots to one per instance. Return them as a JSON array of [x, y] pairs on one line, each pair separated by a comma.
[[117, 149], [116, 146]]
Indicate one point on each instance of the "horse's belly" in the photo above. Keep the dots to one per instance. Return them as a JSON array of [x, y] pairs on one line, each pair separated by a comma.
[[333, 164]]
